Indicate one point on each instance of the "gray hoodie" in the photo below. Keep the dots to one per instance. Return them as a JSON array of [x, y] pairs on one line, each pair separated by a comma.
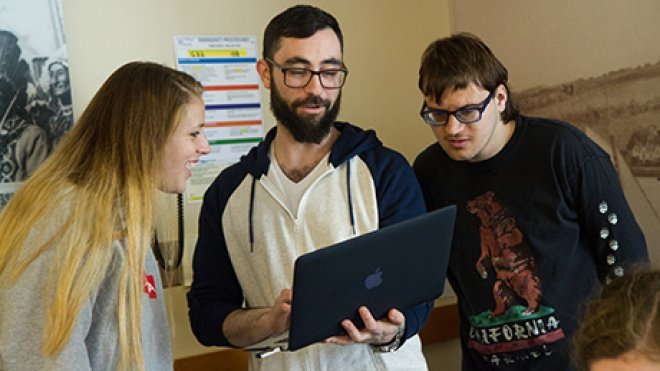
[[93, 344]]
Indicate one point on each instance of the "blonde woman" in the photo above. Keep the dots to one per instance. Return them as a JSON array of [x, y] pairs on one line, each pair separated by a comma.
[[79, 286]]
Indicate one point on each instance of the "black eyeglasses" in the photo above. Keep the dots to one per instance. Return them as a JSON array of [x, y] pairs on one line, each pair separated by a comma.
[[464, 115], [296, 77]]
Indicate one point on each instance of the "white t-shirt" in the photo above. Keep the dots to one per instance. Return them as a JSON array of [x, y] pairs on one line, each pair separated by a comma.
[[292, 190]]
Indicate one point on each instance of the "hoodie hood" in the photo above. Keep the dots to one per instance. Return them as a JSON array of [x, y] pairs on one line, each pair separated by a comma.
[[352, 141]]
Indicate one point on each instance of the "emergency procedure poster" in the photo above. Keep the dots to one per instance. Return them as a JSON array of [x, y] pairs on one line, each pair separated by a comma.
[[226, 67]]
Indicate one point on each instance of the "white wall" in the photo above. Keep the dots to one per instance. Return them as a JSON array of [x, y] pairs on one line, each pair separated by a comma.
[[383, 43]]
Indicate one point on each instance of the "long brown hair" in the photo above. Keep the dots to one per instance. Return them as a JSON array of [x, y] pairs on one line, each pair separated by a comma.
[[102, 177]]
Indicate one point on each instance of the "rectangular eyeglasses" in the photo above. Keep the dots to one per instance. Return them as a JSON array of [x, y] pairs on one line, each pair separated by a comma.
[[464, 115], [298, 77]]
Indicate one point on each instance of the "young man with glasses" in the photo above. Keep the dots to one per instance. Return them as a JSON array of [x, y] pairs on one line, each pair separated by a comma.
[[542, 219], [312, 182]]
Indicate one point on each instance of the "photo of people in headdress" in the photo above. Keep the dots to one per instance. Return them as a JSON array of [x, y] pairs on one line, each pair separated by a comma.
[[35, 90]]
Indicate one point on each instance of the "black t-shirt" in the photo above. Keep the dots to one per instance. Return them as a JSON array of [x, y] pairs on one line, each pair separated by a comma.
[[539, 226]]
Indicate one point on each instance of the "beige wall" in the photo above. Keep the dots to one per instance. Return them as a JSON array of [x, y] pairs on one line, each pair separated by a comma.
[[383, 42], [549, 42]]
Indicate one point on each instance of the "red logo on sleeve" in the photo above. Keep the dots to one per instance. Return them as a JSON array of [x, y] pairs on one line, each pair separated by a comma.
[[150, 286]]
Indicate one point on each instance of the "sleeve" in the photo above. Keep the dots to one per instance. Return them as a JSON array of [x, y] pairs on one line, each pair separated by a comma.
[[23, 311], [609, 224], [400, 198], [215, 290], [34, 147]]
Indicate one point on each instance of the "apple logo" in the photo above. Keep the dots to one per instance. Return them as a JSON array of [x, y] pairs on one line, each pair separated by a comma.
[[374, 279]]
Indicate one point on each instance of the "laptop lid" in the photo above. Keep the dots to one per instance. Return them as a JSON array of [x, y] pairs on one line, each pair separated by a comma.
[[398, 266]]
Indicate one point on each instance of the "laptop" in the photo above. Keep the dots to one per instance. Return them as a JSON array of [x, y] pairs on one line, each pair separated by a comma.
[[398, 266]]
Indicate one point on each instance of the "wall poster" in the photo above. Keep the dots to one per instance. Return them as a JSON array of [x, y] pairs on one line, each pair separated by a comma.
[[226, 67], [35, 92]]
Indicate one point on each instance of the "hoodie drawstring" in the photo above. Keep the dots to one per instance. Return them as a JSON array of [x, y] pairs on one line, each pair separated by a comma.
[[254, 181], [348, 191], [351, 213]]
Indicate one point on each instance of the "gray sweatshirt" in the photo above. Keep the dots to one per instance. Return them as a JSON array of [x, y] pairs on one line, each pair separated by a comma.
[[93, 344]]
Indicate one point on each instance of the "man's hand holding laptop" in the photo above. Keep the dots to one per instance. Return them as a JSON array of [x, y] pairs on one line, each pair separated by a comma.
[[376, 332]]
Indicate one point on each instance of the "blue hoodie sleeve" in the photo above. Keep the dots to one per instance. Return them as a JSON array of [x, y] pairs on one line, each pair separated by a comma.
[[399, 198], [215, 290]]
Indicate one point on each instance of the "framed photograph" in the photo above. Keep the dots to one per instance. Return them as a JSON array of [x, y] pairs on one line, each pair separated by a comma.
[[35, 91]]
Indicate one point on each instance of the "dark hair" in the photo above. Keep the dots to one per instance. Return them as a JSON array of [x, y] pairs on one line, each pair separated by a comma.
[[15, 70], [11, 52], [452, 63], [624, 317], [300, 21]]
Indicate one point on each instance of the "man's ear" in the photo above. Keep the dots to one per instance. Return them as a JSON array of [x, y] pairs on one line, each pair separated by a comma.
[[263, 69], [501, 96]]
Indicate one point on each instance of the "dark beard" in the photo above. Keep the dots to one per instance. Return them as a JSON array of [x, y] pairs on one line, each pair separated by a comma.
[[306, 129]]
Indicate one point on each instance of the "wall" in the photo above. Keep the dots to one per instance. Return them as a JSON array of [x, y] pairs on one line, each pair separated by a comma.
[[604, 54], [383, 43], [549, 42]]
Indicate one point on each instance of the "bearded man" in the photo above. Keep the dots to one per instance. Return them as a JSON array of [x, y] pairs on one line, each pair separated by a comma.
[[277, 203]]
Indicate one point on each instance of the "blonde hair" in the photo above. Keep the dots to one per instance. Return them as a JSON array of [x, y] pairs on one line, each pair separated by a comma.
[[624, 318], [107, 168]]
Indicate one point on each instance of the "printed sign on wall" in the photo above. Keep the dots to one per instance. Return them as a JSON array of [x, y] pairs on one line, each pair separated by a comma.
[[226, 67]]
